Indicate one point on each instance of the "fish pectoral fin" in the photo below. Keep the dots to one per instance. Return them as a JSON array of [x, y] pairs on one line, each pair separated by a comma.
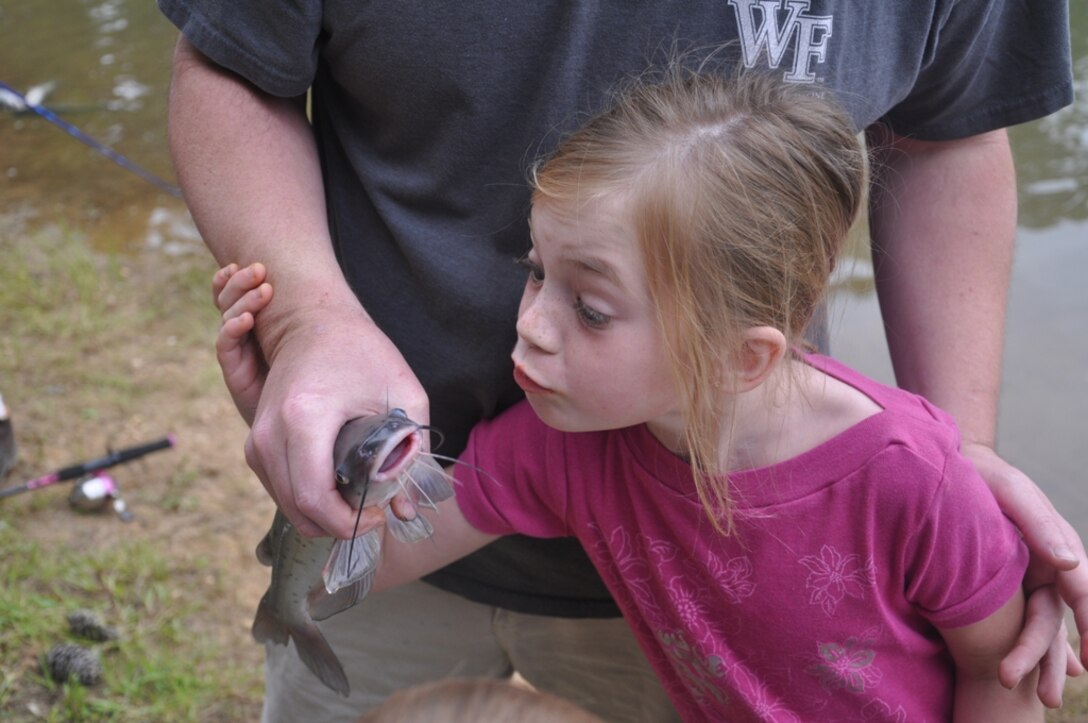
[[432, 483], [323, 605], [352, 560], [315, 652], [267, 628], [412, 530]]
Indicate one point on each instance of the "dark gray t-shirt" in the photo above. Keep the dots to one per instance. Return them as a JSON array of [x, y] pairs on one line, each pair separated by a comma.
[[427, 115]]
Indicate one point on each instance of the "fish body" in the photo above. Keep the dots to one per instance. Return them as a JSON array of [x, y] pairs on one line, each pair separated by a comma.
[[314, 578]]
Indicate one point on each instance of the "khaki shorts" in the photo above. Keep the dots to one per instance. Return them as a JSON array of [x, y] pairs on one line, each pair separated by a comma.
[[418, 633]]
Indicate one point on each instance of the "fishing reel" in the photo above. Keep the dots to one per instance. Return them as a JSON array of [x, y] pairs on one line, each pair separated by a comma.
[[96, 493]]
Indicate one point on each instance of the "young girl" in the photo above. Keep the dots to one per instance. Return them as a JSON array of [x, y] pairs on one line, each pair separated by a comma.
[[789, 540]]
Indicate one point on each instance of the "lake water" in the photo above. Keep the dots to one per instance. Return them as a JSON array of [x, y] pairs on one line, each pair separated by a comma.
[[109, 61]]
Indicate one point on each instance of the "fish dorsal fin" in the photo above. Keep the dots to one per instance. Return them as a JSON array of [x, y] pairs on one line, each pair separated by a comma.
[[264, 550], [351, 560], [273, 539]]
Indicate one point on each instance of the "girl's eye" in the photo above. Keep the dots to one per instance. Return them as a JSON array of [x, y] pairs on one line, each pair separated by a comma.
[[590, 316], [536, 271]]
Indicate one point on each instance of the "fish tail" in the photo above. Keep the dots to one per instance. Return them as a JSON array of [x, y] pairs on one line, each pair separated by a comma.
[[315, 652]]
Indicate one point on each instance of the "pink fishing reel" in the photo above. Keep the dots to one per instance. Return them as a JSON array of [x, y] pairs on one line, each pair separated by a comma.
[[96, 493]]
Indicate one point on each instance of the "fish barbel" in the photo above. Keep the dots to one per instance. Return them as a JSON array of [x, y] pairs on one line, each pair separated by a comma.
[[314, 578]]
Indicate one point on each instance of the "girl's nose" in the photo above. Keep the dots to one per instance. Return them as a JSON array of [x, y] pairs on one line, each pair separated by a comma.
[[534, 325]]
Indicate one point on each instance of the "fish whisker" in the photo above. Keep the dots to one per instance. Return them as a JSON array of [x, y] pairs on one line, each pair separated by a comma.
[[474, 468], [436, 433]]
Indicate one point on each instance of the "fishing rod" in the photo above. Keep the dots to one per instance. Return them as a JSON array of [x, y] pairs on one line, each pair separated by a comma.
[[80, 469], [88, 140]]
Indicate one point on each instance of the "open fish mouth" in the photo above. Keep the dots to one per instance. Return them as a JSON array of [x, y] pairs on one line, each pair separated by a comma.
[[397, 455]]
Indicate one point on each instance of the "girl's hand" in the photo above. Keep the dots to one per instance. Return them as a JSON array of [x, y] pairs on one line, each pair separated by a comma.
[[1057, 571], [240, 294]]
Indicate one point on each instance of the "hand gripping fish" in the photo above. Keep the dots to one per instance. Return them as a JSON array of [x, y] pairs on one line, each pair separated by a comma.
[[314, 578]]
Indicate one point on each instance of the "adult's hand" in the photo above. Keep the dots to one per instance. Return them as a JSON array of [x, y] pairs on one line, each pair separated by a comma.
[[242, 295], [1058, 572], [249, 168], [326, 370]]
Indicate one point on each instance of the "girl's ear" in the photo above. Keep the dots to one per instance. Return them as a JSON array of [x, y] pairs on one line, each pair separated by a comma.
[[763, 347]]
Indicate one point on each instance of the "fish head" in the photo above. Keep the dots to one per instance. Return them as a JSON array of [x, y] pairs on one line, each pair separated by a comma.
[[372, 452]]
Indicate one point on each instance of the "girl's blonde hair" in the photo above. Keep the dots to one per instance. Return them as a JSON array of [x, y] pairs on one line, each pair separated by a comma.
[[742, 190]]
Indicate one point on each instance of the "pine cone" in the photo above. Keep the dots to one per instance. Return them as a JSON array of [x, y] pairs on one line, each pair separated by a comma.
[[68, 660], [86, 625]]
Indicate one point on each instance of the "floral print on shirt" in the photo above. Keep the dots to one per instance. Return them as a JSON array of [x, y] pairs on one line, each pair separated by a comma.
[[833, 576]]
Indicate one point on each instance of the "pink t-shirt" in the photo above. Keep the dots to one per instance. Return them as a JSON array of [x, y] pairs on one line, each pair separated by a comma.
[[824, 604]]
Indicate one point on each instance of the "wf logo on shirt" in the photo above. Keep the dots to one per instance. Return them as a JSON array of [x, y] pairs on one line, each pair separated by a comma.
[[770, 26]]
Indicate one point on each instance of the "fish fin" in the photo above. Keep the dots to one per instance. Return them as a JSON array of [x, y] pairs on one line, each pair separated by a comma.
[[431, 482], [315, 652], [323, 605], [264, 550], [266, 627], [412, 530], [351, 560]]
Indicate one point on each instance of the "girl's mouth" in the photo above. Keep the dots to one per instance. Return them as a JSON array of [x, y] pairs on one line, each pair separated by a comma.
[[527, 384]]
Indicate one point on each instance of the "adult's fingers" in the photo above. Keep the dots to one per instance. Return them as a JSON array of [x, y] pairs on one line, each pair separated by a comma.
[[1046, 533]]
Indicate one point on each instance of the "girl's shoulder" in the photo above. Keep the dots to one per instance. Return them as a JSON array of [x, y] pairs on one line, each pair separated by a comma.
[[875, 418], [887, 398]]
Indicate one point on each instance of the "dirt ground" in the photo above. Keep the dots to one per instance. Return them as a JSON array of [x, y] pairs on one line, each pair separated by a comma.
[[117, 352]]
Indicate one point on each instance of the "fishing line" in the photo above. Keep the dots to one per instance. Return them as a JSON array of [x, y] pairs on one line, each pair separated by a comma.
[[354, 532], [105, 150]]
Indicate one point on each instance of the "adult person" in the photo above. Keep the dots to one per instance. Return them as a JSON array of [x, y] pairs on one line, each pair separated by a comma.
[[401, 206]]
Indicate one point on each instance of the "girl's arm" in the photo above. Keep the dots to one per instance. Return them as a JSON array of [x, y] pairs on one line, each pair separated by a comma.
[[977, 651], [453, 538]]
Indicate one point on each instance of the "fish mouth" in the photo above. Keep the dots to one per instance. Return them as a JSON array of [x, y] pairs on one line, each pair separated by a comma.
[[397, 454]]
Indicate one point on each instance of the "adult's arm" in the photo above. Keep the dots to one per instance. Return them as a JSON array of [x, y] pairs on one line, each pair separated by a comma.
[[943, 222], [249, 168]]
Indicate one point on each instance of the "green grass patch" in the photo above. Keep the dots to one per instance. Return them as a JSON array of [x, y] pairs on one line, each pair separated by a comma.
[[101, 350], [156, 669]]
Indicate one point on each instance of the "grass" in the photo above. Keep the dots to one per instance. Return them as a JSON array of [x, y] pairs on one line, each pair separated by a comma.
[[103, 351], [155, 670]]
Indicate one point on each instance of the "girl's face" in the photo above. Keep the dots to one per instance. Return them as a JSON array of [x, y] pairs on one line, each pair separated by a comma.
[[590, 353]]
